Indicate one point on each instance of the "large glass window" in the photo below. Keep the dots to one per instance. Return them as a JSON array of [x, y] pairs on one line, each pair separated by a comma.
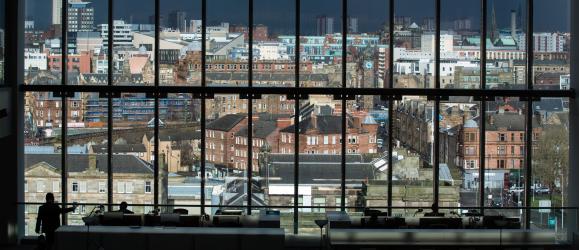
[[321, 43], [412, 153], [414, 44], [180, 43], [506, 44], [227, 46], [133, 40], [42, 42], [460, 44], [368, 43], [349, 129]]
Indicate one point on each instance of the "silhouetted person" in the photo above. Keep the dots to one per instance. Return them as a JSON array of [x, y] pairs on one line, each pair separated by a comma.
[[434, 211], [123, 208], [48, 219]]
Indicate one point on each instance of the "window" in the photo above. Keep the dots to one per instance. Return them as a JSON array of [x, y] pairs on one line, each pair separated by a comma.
[[102, 187], [425, 130], [502, 137], [318, 204], [55, 186], [147, 187]]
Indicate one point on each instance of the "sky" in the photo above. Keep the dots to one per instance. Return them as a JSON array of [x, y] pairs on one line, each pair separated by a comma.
[[279, 15]]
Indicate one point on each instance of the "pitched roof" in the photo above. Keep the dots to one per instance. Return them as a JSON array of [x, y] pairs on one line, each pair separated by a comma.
[[325, 125], [119, 148], [318, 169], [261, 129], [137, 63], [512, 121], [122, 164], [226, 123]]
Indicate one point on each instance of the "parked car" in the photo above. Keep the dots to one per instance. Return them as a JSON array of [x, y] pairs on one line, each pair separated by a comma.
[[542, 190], [515, 189]]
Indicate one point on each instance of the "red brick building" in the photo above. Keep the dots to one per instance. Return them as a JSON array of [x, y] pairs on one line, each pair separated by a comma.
[[322, 134], [505, 141], [220, 139], [76, 62]]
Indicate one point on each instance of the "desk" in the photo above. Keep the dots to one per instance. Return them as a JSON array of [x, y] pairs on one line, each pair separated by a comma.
[[377, 238], [167, 238]]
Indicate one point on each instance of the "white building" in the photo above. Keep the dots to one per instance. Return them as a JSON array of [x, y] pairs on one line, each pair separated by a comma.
[[122, 34], [35, 59], [271, 51], [548, 42], [446, 43]]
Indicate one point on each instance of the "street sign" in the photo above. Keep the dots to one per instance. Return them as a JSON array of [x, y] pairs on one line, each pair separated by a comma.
[[545, 203], [552, 223]]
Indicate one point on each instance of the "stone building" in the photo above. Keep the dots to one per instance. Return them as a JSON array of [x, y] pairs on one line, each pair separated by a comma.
[[86, 183]]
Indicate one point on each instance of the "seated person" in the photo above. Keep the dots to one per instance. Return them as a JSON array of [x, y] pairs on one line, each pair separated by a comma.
[[434, 212], [123, 208]]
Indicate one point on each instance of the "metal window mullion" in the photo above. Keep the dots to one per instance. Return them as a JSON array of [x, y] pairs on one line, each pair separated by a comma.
[[390, 102], [296, 116], [203, 84], [482, 126], [250, 110], [529, 164], [436, 124], [156, 117], [64, 72], [344, 103], [529, 125], [110, 107]]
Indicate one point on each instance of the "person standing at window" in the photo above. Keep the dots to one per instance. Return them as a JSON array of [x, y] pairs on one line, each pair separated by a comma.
[[48, 219]]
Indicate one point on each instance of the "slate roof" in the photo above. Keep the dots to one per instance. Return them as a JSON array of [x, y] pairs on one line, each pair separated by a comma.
[[122, 164], [226, 123], [177, 135], [549, 105], [325, 125], [261, 129], [318, 169], [511, 121], [119, 148]]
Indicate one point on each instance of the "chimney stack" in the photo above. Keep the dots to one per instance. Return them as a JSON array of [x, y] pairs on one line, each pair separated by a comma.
[[514, 24], [92, 162]]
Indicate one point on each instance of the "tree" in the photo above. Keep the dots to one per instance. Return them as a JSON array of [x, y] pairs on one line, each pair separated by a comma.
[[551, 158]]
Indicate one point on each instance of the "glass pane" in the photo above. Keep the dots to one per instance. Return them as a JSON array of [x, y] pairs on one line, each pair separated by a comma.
[[367, 154], [368, 39], [226, 150], [460, 44], [320, 141], [42, 42], [273, 155], [179, 147], [321, 44], [133, 151], [505, 155], [414, 44], [133, 42], [412, 154], [85, 43], [506, 44], [87, 161], [274, 43], [2, 40], [459, 153], [180, 51], [550, 163], [227, 48], [42, 152], [551, 41]]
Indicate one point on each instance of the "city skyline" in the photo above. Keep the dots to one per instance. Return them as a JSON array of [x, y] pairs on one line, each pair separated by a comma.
[[367, 22]]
